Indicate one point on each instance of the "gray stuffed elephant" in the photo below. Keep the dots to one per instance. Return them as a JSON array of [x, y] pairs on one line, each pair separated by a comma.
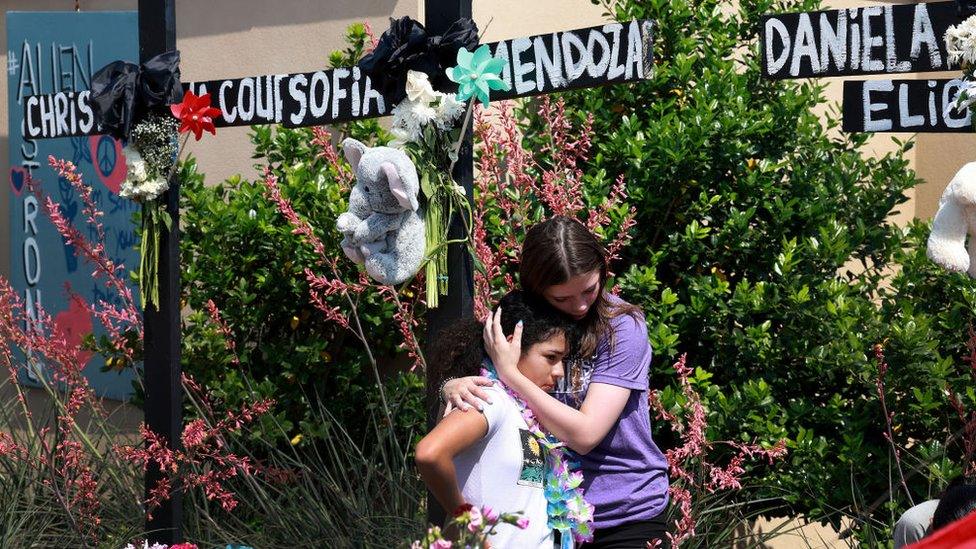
[[383, 228]]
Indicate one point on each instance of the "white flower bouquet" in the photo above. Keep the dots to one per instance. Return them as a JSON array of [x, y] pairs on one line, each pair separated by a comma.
[[960, 41], [425, 126]]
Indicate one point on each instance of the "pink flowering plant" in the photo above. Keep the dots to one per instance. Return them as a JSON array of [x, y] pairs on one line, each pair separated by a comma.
[[518, 185], [921, 469], [74, 455], [470, 527], [698, 480]]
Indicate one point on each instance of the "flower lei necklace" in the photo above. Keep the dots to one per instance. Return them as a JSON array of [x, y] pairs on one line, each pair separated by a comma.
[[568, 511]]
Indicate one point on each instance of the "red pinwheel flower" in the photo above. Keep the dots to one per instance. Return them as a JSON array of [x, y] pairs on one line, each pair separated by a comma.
[[195, 114]]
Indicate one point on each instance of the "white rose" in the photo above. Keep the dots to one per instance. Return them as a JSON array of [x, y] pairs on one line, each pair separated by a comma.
[[418, 88]]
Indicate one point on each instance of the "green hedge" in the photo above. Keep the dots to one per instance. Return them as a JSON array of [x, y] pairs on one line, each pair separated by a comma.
[[764, 250]]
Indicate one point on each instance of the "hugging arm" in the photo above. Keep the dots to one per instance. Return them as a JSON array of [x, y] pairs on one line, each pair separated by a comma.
[[581, 430], [465, 392]]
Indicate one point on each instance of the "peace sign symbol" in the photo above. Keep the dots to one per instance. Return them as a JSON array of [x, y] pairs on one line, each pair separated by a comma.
[[106, 154], [107, 159]]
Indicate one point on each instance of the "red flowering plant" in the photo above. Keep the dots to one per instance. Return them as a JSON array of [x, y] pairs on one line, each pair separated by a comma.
[[87, 484], [521, 181], [920, 466], [699, 483]]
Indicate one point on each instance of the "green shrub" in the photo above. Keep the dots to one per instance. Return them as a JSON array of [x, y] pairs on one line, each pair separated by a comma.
[[764, 250], [238, 251]]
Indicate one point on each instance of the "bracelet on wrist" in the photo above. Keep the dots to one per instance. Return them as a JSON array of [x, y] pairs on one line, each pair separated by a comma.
[[440, 389]]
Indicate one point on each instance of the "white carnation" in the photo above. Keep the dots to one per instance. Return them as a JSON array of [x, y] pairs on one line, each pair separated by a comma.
[[405, 121], [449, 110], [135, 165], [960, 42], [410, 117], [425, 114]]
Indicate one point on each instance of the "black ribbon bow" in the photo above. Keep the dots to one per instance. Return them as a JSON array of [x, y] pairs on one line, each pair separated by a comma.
[[122, 92], [407, 46]]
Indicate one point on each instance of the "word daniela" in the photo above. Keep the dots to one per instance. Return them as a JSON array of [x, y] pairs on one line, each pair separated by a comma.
[[869, 40]]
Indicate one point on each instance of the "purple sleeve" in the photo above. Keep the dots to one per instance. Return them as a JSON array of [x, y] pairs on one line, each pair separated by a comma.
[[626, 360]]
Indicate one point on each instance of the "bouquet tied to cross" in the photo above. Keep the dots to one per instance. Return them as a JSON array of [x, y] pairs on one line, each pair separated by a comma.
[[144, 106], [430, 124]]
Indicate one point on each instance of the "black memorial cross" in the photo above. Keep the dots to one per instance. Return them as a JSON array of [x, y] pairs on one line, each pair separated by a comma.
[[606, 54], [163, 408]]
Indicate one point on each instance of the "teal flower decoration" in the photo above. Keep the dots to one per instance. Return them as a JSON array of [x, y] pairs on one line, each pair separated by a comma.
[[477, 73]]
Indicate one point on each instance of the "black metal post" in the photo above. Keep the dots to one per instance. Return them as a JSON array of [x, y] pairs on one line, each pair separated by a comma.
[[459, 301], [164, 393]]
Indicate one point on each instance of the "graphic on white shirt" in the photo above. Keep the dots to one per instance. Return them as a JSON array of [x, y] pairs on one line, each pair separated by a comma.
[[532, 462]]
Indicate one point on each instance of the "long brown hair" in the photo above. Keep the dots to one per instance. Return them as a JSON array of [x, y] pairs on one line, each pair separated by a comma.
[[561, 248]]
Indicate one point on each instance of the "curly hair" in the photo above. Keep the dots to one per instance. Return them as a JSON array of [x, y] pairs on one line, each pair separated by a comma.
[[459, 350]]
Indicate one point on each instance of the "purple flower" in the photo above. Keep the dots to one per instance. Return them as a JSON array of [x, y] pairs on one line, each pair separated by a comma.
[[522, 523]]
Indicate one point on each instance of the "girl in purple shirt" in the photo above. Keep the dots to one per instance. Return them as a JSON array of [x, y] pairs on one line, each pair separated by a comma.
[[600, 409]]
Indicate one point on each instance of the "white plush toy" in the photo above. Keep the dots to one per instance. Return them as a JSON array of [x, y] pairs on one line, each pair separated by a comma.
[[955, 220], [383, 229]]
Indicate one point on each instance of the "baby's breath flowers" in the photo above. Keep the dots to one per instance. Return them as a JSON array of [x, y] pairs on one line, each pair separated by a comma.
[[151, 157]]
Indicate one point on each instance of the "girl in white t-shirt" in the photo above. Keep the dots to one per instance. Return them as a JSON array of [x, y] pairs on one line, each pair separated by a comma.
[[491, 459]]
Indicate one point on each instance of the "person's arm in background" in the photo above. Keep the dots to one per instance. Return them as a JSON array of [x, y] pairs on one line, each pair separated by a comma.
[[620, 370]]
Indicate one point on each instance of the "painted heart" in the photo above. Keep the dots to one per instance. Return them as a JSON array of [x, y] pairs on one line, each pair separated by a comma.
[[18, 178]]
